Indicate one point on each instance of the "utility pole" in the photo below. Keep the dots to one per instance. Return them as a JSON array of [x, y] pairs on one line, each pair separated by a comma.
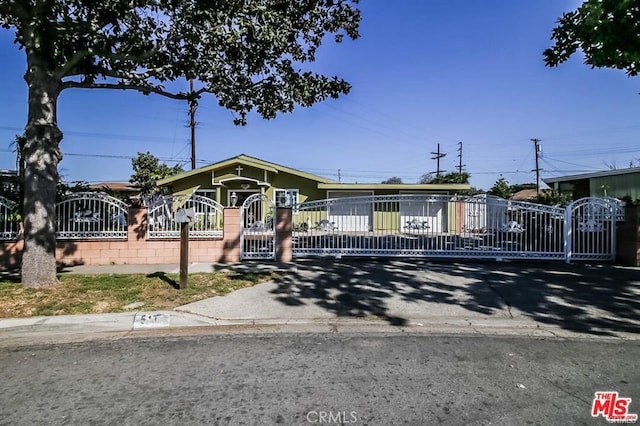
[[339, 176], [193, 106], [538, 149], [438, 156], [460, 165]]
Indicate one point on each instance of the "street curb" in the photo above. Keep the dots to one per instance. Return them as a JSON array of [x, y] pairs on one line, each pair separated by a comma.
[[78, 328]]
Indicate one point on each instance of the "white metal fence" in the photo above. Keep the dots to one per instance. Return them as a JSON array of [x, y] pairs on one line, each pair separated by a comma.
[[8, 223], [91, 215], [207, 224], [452, 226], [257, 230], [591, 228]]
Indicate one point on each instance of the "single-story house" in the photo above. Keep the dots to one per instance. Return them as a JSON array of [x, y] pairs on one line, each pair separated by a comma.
[[529, 195], [247, 175], [244, 175], [612, 183]]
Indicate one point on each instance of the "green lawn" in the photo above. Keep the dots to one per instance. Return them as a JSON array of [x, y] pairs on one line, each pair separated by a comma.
[[86, 294]]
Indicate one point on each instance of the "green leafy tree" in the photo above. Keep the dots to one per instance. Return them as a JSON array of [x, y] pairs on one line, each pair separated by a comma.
[[426, 178], [501, 188], [394, 179], [552, 197], [607, 31], [251, 55], [520, 186], [147, 169], [453, 177]]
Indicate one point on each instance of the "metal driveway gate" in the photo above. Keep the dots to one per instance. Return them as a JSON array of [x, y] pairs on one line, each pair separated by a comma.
[[455, 226], [257, 229], [591, 234]]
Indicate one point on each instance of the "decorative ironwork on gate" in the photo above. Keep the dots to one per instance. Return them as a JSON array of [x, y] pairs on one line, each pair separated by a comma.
[[591, 230], [91, 215], [257, 228], [8, 224], [445, 226], [207, 224]]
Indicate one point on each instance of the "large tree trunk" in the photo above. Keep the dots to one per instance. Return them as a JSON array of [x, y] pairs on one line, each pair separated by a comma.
[[41, 154]]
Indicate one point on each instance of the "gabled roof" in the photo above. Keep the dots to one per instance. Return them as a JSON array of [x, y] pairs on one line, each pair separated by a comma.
[[246, 161], [604, 173]]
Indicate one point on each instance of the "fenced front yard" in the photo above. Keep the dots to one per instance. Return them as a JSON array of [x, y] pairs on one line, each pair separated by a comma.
[[94, 228]]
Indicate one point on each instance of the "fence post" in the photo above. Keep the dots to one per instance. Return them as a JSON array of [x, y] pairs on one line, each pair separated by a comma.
[[231, 235], [284, 244], [568, 232], [137, 223]]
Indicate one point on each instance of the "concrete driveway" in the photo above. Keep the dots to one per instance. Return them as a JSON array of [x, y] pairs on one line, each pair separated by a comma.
[[595, 300]]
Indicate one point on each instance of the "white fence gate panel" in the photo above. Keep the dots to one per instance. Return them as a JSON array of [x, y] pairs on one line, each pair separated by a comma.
[[592, 229], [91, 215], [207, 224], [257, 228], [454, 226], [8, 220]]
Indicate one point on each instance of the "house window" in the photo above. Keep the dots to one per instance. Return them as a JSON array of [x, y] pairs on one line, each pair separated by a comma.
[[287, 197], [207, 193]]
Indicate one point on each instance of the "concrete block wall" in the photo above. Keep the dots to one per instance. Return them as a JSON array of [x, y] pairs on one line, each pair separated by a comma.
[[136, 249]]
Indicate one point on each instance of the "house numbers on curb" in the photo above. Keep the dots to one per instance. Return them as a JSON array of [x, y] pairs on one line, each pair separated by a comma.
[[149, 320]]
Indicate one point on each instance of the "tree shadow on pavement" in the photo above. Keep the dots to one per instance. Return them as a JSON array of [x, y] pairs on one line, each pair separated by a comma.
[[592, 299]]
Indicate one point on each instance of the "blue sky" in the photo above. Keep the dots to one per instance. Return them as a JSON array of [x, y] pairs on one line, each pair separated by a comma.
[[424, 72]]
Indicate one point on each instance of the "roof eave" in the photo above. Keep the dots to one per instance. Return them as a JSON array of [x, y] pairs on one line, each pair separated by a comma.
[[399, 186]]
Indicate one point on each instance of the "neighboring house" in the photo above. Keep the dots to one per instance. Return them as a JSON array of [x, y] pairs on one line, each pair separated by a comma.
[[8, 176], [117, 189], [247, 175], [612, 183], [525, 195]]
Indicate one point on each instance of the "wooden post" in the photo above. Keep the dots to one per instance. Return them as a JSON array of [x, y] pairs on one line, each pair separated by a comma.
[[184, 254]]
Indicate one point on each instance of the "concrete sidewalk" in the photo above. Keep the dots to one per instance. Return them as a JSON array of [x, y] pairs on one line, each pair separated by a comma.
[[548, 299]]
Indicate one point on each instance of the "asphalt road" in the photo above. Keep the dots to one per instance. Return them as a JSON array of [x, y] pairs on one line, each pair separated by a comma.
[[316, 379]]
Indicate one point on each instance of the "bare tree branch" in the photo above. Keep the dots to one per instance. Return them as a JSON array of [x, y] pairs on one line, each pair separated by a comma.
[[122, 86]]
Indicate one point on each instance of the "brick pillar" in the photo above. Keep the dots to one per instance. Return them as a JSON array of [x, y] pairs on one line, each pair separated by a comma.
[[231, 235], [137, 224], [628, 238], [284, 226]]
